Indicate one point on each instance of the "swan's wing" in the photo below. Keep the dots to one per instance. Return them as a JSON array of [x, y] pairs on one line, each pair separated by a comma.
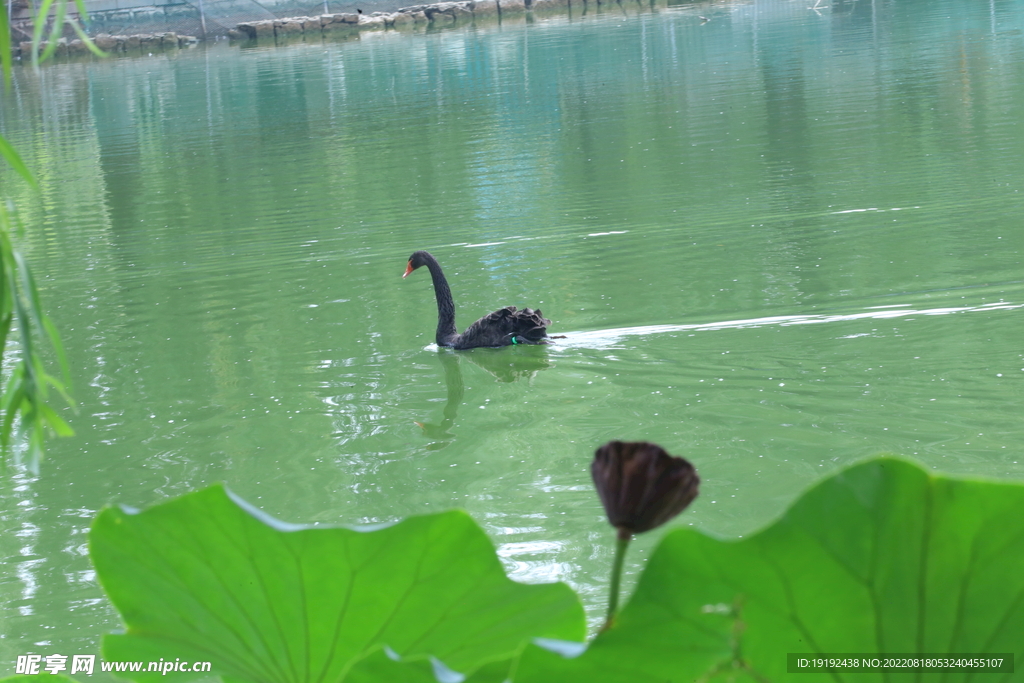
[[494, 329], [498, 329]]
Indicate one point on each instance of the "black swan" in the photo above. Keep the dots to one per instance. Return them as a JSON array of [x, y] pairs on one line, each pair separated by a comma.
[[505, 327]]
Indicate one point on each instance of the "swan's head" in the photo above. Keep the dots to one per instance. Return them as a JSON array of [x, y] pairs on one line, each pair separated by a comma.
[[418, 258]]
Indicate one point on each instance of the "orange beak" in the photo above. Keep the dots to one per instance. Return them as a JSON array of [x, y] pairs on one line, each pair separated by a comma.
[[408, 269]]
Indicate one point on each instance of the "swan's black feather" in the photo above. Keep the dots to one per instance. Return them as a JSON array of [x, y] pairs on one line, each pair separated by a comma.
[[505, 327]]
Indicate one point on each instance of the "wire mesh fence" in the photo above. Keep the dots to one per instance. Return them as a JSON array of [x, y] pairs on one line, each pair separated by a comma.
[[197, 17]]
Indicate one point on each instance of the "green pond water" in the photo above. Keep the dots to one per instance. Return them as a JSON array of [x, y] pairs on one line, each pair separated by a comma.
[[777, 242]]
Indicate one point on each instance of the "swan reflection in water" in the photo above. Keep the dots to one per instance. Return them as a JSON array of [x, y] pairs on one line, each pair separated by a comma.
[[505, 367]]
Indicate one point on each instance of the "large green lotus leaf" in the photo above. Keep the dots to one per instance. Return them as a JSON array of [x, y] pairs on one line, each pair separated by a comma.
[[206, 577], [881, 558], [387, 667], [378, 667]]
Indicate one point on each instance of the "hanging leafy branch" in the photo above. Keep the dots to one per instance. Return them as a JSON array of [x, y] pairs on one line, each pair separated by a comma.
[[24, 401], [26, 390]]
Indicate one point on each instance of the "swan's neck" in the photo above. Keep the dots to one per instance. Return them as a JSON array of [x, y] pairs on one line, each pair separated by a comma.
[[446, 330]]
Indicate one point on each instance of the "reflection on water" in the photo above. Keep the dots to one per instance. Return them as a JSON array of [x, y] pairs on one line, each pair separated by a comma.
[[502, 365], [784, 239], [505, 367], [439, 433]]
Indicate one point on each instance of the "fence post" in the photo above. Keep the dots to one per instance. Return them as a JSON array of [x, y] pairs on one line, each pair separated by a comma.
[[202, 18]]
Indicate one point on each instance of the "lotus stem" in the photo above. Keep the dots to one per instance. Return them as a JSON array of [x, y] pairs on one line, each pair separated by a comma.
[[621, 543]]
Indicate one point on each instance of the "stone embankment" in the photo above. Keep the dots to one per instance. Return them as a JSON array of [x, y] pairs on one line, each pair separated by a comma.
[[437, 15], [145, 42], [441, 14]]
